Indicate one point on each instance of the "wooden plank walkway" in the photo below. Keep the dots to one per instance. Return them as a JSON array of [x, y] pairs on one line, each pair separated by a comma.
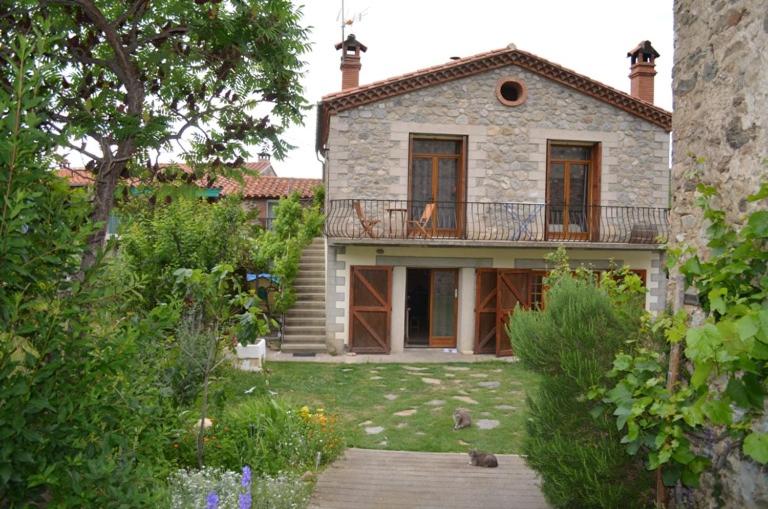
[[371, 479]]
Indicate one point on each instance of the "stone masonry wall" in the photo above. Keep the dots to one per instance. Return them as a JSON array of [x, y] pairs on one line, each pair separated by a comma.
[[368, 155], [721, 112]]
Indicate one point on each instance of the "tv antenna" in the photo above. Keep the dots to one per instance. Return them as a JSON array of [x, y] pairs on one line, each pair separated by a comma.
[[348, 20]]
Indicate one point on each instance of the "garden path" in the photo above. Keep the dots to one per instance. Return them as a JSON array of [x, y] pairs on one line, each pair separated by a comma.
[[374, 479]]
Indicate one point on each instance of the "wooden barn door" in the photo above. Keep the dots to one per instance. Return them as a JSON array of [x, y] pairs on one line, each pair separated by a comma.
[[370, 307], [485, 311], [511, 290]]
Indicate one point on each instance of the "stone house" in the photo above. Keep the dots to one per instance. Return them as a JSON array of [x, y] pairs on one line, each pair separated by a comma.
[[446, 187]]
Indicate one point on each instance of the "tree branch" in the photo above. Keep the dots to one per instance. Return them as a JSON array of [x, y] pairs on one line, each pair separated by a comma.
[[134, 10]]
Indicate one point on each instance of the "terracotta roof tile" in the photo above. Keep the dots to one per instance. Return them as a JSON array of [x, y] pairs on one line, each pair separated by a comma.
[[258, 187], [268, 187], [77, 177]]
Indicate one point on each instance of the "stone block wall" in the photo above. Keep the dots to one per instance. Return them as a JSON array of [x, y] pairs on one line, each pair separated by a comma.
[[506, 152], [720, 137]]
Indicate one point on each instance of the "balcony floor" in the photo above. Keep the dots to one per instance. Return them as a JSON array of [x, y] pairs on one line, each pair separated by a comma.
[[444, 242]]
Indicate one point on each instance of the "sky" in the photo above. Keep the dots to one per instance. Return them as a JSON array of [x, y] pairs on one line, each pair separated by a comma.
[[591, 37]]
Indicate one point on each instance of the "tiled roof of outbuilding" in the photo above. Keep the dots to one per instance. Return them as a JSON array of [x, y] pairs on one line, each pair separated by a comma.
[[253, 187]]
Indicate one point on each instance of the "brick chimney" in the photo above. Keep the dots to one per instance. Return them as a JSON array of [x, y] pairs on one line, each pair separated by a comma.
[[350, 61], [642, 71]]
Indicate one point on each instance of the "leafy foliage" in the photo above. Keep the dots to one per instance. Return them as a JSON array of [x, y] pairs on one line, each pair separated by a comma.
[[215, 311], [279, 248], [187, 233], [134, 77], [83, 422], [572, 343], [730, 349], [269, 436]]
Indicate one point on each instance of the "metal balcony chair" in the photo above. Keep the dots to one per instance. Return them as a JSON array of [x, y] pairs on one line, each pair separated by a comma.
[[522, 217]]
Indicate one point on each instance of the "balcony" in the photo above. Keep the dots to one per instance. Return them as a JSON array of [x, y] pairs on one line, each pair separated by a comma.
[[383, 221]]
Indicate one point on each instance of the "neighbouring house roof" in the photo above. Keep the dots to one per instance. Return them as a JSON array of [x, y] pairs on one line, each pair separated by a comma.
[[469, 66], [263, 167], [252, 187], [268, 187]]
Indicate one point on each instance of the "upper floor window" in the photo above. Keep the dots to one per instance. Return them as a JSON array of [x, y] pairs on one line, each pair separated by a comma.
[[572, 189], [437, 176]]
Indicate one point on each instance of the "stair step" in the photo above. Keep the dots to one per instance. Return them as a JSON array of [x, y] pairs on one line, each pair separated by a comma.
[[311, 274], [294, 322], [304, 348], [309, 286], [309, 282], [300, 314], [308, 330], [308, 305], [317, 262], [314, 296]]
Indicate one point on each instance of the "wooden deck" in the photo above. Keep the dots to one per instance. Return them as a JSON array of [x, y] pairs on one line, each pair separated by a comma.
[[370, 479]]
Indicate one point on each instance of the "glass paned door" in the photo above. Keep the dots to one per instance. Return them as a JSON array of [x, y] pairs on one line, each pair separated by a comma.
[[444, 295], [447, 180], [436, 176], [568, 183]]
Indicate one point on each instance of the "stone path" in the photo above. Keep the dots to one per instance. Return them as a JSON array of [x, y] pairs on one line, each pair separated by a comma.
[[372, 479]]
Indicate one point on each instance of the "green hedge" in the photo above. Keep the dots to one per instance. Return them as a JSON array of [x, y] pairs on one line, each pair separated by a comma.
[[572, 343]]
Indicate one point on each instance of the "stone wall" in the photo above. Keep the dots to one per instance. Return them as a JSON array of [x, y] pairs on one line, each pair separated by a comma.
[[721, 107], [720, 137], [368, 156]]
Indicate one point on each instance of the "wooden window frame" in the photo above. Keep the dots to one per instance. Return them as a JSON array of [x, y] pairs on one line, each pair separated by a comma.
[[461, 190], [593, 189]]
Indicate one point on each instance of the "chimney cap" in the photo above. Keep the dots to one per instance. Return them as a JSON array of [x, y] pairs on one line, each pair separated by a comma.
[[644, 49], [352, 42]]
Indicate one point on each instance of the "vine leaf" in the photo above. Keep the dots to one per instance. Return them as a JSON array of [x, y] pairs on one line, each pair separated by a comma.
[[758, 222], [756, 447]]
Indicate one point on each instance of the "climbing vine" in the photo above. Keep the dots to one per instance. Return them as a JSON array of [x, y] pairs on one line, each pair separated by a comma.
[[725, 386]]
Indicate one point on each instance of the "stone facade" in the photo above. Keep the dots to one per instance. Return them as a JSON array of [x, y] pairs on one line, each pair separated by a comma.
[[721, 107], [506, 152], [721, 138]]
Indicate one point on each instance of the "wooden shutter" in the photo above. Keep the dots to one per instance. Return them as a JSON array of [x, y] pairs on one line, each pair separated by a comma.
[[485, 311], [370, 307], [512, 289]]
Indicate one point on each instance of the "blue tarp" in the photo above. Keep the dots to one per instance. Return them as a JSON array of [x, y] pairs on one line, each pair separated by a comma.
[[264, 275]]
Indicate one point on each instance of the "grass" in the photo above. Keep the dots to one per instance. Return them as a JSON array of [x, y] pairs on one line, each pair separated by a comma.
[[356, 394]]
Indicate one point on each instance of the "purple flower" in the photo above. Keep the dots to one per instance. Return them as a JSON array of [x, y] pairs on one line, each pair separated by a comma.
[[246, 482], [213, 500], [245, 500]]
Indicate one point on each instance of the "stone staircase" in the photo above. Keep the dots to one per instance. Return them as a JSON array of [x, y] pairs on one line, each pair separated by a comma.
[[304, 328]]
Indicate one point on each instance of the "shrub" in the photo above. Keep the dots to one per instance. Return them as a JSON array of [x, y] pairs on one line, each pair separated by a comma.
[[283, 491], [269, 437], [572, 342], [185, 233], [83, 421], [190, 489]]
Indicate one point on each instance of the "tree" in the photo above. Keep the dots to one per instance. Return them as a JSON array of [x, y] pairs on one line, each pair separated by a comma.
[[135, 77], [83, 421]]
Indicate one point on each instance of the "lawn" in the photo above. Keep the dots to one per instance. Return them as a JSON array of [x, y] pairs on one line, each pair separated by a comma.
[[367, 398]]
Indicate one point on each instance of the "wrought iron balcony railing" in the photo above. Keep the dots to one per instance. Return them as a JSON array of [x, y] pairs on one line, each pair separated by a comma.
[[495, 222]]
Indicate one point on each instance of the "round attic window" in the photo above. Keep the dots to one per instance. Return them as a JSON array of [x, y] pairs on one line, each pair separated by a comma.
[[511, 91]]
